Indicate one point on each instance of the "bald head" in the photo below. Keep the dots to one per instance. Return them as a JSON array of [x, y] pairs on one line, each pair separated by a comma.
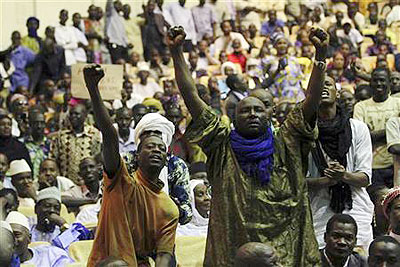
[[255, 254]]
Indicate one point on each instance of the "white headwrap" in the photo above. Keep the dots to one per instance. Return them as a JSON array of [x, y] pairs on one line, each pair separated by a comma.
[[198, 226], [16, 217], [18, 166], [49, 192], [157, 122]]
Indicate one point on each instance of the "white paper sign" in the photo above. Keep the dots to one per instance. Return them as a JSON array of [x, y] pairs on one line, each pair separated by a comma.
[[110, 86]]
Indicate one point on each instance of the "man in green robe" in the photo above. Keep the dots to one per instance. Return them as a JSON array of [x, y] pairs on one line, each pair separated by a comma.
[[257, 177]]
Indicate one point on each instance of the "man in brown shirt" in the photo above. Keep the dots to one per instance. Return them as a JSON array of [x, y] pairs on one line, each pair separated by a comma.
[[137, 219]]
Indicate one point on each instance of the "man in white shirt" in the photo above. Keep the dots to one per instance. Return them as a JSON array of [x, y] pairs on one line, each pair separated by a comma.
[[65, 37], [80, 53], [340, 169], [43, 256], [145, 88], [225, 41], [351, 34], [178, 15]]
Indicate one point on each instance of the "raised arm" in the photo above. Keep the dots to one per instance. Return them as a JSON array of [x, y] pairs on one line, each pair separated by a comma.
[[320, 39], [175, 38], [93, 75]]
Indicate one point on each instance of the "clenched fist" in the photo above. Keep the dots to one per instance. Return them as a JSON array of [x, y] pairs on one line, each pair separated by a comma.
[[175, 37], [320, 39], [93, 74]]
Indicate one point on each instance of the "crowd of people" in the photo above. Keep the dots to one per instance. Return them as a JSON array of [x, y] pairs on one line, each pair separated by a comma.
[[269, 129]]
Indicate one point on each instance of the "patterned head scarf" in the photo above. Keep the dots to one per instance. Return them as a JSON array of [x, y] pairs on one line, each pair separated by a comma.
[[391, 195]]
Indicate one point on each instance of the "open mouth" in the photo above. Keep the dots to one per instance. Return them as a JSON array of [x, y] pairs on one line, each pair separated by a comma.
[[156, 157], [380, 89], [324, 94]]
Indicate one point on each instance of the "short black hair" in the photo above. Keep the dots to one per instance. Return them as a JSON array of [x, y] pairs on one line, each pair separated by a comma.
[[225, 21], [121, 110], [380, 69], [136, 107], [341, 218], [385, 239], [231, 80]]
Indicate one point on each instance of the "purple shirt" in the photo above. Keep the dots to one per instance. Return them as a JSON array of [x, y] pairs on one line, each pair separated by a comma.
[[269, 28], [373, 50], [21, 57]]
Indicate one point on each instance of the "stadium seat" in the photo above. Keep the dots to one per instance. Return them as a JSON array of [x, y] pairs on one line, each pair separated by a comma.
[[80, 250], [75, 264], [185, 248]]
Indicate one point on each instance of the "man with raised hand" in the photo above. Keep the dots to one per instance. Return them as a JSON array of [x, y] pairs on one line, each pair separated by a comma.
[[257, 176], [137, 219]]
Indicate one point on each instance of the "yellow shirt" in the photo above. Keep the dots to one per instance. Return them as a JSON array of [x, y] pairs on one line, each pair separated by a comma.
[[30, 43], [375, 115], [136, 219]]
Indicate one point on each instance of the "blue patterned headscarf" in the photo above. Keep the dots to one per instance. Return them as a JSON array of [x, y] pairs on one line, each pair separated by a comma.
[[255, 156]]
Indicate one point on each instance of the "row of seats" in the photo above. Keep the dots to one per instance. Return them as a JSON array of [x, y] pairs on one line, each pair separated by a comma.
[[189, 251]]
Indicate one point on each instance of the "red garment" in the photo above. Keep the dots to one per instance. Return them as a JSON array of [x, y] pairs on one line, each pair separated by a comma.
[[238, 58]]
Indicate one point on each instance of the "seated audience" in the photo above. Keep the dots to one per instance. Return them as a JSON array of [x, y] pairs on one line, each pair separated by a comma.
[[44, 255], [9, 145], [340, 239], [395, 83], [49, 176], [255, 254], [48, 223], [4, 165], [200, 201], [10, 202], [390, 204], [22, 183], [384, 251], [7, 239], [91, 172]]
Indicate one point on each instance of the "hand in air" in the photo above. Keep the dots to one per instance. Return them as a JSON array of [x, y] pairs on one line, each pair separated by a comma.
[[175, 37], [92, 74], [320, 39]]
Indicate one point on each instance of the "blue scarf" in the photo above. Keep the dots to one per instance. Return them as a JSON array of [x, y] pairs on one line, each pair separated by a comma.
[[255, 156]]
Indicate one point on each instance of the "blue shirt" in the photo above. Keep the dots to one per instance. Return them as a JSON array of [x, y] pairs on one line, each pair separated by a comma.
[[21, 57], [49, 256], [269, 28]]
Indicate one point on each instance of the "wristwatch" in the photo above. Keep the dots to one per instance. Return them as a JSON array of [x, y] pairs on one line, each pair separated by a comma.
[[320, 65]]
